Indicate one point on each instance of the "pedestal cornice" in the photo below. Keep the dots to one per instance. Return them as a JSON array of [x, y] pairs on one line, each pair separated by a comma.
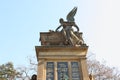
[[62, 52]]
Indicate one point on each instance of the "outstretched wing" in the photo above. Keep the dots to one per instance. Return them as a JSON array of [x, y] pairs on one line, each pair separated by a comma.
[[71, 14]]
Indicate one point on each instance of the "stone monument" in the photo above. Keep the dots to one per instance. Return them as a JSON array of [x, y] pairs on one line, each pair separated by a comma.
[[62, 54]]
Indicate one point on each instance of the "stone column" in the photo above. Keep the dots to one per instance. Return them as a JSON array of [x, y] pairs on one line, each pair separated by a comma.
[[84, 70], [40, 72]]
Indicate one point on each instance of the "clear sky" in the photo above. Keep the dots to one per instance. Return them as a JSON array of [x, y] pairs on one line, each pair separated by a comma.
[[22, 20]]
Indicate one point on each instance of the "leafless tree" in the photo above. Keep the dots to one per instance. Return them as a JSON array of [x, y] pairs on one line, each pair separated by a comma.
[[101, 71], [25, 72]]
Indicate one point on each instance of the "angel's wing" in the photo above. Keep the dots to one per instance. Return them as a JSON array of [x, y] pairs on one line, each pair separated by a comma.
[[71, 14]]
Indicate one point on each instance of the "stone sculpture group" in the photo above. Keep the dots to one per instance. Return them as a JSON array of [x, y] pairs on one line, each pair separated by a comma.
[[67, 31]]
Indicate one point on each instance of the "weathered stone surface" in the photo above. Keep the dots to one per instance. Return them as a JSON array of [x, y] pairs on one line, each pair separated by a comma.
[[55, 38], [51, 38]]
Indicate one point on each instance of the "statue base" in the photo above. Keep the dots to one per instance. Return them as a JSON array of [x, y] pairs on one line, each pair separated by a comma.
[[62, 63]]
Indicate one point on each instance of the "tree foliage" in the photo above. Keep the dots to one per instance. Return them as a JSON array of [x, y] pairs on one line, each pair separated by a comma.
[[7, 71]]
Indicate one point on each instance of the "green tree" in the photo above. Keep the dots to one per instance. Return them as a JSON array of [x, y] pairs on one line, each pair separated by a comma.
[[7, 71]]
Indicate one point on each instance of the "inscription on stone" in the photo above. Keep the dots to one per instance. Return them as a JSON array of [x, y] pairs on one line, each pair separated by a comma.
[[50, 71], [75, 71], [62, 71], [51, 38]]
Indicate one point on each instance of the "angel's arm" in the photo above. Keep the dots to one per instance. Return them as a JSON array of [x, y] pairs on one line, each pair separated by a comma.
[[76, 27], [58, 28]]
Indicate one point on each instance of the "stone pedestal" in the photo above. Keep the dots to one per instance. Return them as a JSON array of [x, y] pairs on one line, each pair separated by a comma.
[[62, 63]]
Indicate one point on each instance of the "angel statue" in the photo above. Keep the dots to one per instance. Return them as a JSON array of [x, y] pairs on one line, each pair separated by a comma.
[[67, 30]]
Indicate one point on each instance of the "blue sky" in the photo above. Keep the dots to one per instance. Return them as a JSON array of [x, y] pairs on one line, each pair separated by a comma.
[[22, 20]]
